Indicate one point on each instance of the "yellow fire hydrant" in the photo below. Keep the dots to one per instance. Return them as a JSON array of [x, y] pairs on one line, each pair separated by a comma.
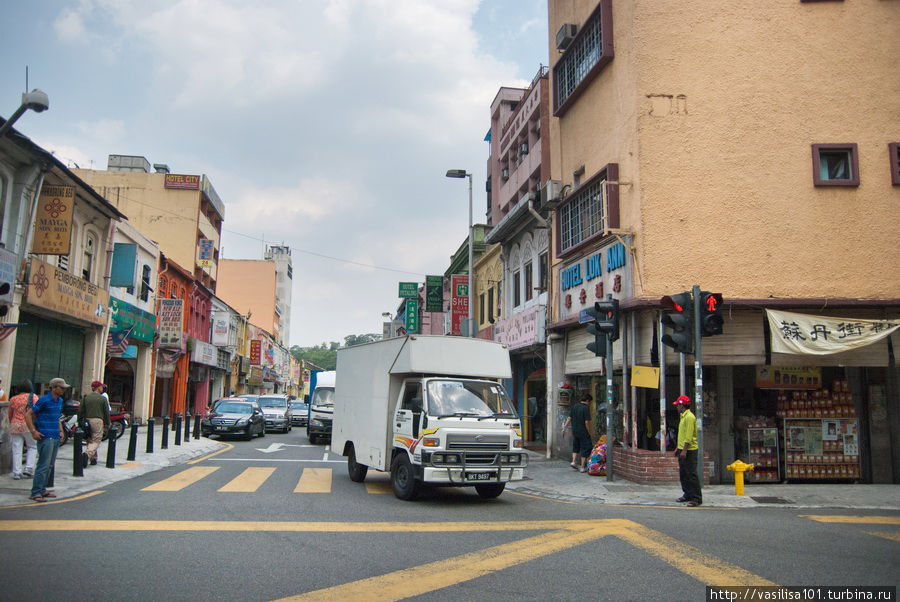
[[739, 468]]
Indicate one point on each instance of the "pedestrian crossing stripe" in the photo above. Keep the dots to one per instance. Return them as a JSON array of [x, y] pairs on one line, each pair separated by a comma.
[[893, 536], [853, 520], [312, 480], [248, 481], [560, 535], [179, 481]]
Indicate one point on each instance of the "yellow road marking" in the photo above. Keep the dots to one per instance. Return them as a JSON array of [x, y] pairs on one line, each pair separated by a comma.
[[129, 465], [854, 520], [208, 456], [691, 561], [429, 577], [179, 481], [31, 504], [248, 481], [314, 480], [379, 487], [893, 536]]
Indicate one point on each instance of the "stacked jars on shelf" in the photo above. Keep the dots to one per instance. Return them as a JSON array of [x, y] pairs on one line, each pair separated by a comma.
[[820, 403]]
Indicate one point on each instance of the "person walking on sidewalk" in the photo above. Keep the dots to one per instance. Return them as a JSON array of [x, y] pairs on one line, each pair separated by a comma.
[[580, 419], [95, 409], [43, 422], [686, 451], [19, 432]]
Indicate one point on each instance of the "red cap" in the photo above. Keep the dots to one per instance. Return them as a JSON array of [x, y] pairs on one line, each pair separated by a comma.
[[96, 384], [684, 400]]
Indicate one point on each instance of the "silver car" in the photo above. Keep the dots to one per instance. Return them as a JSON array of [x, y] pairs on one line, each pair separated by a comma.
[[277, 411]]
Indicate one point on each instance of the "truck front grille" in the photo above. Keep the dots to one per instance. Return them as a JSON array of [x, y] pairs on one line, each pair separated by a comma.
[[477, 443]]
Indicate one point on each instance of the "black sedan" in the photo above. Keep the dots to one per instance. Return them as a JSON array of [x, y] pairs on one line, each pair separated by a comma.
[[235, 417]]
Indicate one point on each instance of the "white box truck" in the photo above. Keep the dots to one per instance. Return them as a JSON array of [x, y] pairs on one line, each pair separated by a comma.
[[321, 407], [430, 410]]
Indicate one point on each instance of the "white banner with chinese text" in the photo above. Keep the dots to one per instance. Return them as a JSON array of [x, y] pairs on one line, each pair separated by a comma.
[[820, 335]]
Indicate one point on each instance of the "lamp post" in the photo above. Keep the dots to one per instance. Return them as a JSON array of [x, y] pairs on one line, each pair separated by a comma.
[[462, 173], [35, 100]]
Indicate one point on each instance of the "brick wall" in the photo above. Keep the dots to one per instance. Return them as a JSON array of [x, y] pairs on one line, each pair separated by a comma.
[[648, 466]]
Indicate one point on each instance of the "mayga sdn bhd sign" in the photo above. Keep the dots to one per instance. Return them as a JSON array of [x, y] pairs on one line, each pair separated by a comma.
[[590, 278]]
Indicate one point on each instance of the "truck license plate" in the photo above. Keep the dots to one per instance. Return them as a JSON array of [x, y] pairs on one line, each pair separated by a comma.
[[479, 476]]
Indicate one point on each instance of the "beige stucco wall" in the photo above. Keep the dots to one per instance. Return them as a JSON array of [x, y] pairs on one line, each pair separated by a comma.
[[487, 272], [171, 217], [710, 114], [249, 285]]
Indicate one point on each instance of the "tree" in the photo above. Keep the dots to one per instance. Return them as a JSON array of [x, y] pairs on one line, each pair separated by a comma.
[[325, 355], [359, 339]]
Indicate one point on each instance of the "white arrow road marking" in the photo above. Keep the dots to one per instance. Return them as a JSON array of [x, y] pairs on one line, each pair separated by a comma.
[[272, 448]]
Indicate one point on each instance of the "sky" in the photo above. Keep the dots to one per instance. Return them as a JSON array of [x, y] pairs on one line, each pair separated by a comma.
[[324, 125]]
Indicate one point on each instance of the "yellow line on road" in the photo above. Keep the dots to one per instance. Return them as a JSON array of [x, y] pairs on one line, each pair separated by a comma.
[[854, 520], [314, 480], [687, 559], [68, 499], [179, 481], [893, 536], [227, 447], [248, 481], [378, 487], [437, 575]]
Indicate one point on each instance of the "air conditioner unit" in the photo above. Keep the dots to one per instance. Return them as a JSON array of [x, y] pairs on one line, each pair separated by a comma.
[[504, 173], [548, 198], [523, 148], [565, 35]]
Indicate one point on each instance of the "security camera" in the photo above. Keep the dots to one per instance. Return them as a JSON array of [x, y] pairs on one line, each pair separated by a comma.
[[36, 100]]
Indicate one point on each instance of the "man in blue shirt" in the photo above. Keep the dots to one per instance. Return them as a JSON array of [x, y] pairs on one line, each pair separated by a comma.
[[42, 419]]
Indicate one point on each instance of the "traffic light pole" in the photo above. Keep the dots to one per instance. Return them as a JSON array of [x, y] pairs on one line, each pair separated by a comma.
[[610, 417], [698, 380]]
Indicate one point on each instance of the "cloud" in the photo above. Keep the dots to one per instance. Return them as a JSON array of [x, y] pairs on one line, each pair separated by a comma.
[[105, 131], [69, 26]]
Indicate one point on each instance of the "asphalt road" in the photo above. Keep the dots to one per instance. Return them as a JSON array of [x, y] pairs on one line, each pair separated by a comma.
[[277, 517]]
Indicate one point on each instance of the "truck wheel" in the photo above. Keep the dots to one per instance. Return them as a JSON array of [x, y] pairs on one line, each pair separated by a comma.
[[402, 478], [357, 471], [490, 490]]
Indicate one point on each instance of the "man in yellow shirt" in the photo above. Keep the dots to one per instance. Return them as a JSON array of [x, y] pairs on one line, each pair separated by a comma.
[[686, 451]]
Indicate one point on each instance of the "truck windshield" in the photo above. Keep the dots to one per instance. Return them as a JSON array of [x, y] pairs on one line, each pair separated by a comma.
[[323, 397], [468, 398]]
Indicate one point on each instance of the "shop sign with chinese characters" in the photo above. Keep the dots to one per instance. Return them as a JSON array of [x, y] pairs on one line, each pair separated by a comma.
[[204, 353], [53, 220], [522, 329], [459, 301], [171, 322], [255, 352], [583, 281], [820, 335], [57, 290]]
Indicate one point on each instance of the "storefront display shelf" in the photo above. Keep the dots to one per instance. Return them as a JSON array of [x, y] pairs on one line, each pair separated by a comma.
[[762, 452], [820, 449]]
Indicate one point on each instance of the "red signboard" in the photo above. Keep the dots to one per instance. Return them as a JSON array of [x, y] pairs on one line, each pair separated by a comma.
[[459, 301], [174, 180], [255, 352]]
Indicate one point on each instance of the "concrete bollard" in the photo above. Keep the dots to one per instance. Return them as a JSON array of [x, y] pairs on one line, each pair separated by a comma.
[[111, 451], [196, 426], [150, 424], [177, 429], [164, 444], [187, 427], [77, 454], [132, 443]]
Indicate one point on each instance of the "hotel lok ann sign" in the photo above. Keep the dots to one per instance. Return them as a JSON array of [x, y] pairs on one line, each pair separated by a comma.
[[588, 279], [57, 290]]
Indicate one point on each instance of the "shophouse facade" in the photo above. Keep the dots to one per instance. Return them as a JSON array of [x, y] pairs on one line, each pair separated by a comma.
[[284, 284], [57, 236], [250, 287], [129, 368], [518, 167], [226, 336], [173, 360], [765, 171]]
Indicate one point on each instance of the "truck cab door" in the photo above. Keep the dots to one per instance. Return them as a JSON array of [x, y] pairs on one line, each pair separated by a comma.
[[410, 411]]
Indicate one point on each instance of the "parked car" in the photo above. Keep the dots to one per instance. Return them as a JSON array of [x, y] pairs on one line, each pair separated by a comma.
[[277, 412], [299, 412], [234, 416]]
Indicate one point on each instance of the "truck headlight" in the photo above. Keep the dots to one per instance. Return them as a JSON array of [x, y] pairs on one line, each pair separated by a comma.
[[517, 443], [430, 442], [315, 422]]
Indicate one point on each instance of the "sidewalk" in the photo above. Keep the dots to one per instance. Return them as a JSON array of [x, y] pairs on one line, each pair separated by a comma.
[[555, 479], [13, 492]]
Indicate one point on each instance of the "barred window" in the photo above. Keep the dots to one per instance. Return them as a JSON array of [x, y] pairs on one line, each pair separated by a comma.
[[585, 56], [582, 217]]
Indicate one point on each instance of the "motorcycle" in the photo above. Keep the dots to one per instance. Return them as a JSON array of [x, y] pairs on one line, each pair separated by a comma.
[[118, 423]]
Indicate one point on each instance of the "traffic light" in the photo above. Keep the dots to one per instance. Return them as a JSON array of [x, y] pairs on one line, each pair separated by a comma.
[[711, 320], [605, 325], [680, 318]]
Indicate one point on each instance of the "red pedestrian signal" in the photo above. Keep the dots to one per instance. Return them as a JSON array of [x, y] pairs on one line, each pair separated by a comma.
[[711, 320]]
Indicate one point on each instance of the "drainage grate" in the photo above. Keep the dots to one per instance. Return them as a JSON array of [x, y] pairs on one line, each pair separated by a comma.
[[763, 499]]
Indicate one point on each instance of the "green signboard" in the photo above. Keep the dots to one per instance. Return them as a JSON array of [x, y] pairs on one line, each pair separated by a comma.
[[434, 293], [125, 315], [412, 316], [408, 290]]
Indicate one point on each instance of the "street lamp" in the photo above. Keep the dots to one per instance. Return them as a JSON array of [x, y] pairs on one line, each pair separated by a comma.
[[462, 173], [35, 100]]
